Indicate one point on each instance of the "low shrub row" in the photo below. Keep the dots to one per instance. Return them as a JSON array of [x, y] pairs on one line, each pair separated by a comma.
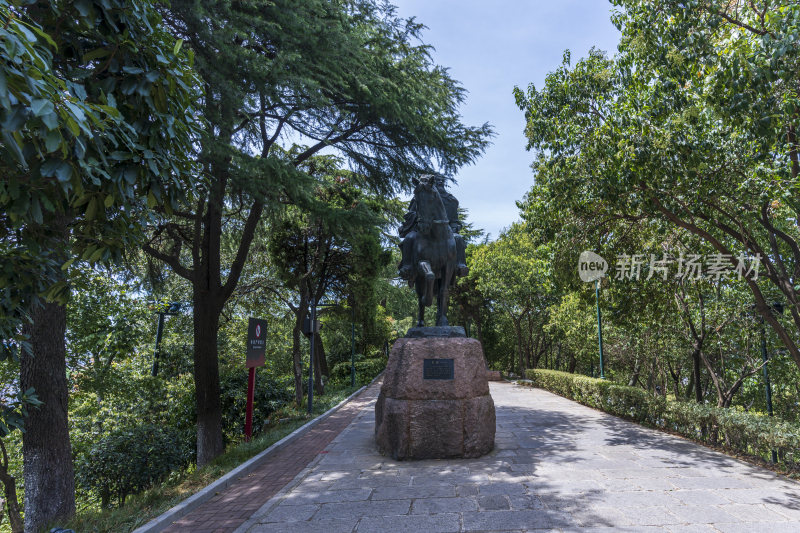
[[366, 370], [736, 431]]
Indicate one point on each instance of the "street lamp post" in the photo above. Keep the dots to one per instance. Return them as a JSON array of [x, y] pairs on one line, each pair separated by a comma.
[[592, 267], [311, 359], [311, 331], [767, 385], [172, 310], [599, 325], [353, 347]]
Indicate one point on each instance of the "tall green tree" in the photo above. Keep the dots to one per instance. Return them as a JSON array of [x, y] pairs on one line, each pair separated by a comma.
[[96, 113], [692, 124], [335, 255], [467, 304], [512, 272], [342, 76]]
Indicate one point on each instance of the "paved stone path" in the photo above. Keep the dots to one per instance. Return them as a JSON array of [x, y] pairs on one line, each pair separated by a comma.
[[231, 507], [557, 466]]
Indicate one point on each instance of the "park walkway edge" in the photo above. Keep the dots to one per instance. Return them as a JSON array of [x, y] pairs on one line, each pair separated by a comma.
[[183, 508]]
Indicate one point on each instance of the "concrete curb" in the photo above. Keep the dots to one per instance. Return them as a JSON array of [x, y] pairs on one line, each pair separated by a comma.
[[279, 496], [180, 510]]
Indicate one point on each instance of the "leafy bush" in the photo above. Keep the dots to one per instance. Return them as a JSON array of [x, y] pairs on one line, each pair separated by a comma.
[[130, 460], [743, 433], [270, 394], [366, 370]]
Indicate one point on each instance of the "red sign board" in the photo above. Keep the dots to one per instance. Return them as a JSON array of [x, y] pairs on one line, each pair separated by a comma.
[[256, 342]]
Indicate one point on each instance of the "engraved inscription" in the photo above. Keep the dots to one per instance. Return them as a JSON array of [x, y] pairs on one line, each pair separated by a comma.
[[438, 369]]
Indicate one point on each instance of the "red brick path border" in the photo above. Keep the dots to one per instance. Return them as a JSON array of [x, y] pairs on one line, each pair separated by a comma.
[[230, 508]]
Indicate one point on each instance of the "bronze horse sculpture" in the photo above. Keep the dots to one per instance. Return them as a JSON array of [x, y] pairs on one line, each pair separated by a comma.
[[434, 251]]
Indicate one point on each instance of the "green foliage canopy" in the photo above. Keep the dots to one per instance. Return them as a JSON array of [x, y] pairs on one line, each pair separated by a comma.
[[96, 104], [691, 125]]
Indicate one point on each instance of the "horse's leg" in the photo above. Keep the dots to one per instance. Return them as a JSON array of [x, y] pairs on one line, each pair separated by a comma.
[[440, 312], [421, 320], [425, 268], [443, 296], [420, 290]]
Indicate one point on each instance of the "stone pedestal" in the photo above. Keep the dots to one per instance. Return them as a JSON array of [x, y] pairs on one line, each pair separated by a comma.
[[435, 402]]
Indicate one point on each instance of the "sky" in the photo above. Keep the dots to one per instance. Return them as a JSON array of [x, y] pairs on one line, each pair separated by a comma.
[[491, 46]]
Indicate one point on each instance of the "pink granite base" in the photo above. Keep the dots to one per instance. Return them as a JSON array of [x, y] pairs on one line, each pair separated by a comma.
[[417, 418]]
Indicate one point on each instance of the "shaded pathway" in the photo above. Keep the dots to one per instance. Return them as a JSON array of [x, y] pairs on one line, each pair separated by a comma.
[[557, 466], [233, 506]]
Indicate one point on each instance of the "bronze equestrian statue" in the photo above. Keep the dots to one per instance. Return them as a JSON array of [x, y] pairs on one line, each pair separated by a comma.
[[433, 253]]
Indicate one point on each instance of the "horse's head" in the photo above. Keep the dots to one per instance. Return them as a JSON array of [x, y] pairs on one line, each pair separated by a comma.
[[426, 182], [430, 209]]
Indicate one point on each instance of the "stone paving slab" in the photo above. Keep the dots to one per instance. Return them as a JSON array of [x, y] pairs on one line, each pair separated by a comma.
[[557, 466], [232, 506]]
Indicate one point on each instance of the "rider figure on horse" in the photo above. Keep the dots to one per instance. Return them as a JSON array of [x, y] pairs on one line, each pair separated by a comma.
[[408, 231]]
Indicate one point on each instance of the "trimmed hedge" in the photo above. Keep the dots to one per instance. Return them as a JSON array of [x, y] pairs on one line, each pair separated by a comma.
[[366, 370], [742, 433]]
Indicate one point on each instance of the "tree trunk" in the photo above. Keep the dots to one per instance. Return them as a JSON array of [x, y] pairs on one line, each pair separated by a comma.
[[557, 362], [300, 313], [206, 377], [47, 455], [636, 370], [520, 352], [728, 397], [676, 378], [297, 366], [698, 389], [10, 492]]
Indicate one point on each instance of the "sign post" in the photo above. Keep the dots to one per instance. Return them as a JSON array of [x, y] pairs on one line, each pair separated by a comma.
[[248, 416], [256, 356]]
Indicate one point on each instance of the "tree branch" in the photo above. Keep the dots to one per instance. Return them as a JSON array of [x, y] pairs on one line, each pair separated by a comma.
[[739, 23], [244, 248], [761, 303], [327, 142], [173, 261]]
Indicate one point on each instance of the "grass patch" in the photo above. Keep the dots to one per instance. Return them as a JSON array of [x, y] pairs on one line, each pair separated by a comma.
[[141, 508]]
